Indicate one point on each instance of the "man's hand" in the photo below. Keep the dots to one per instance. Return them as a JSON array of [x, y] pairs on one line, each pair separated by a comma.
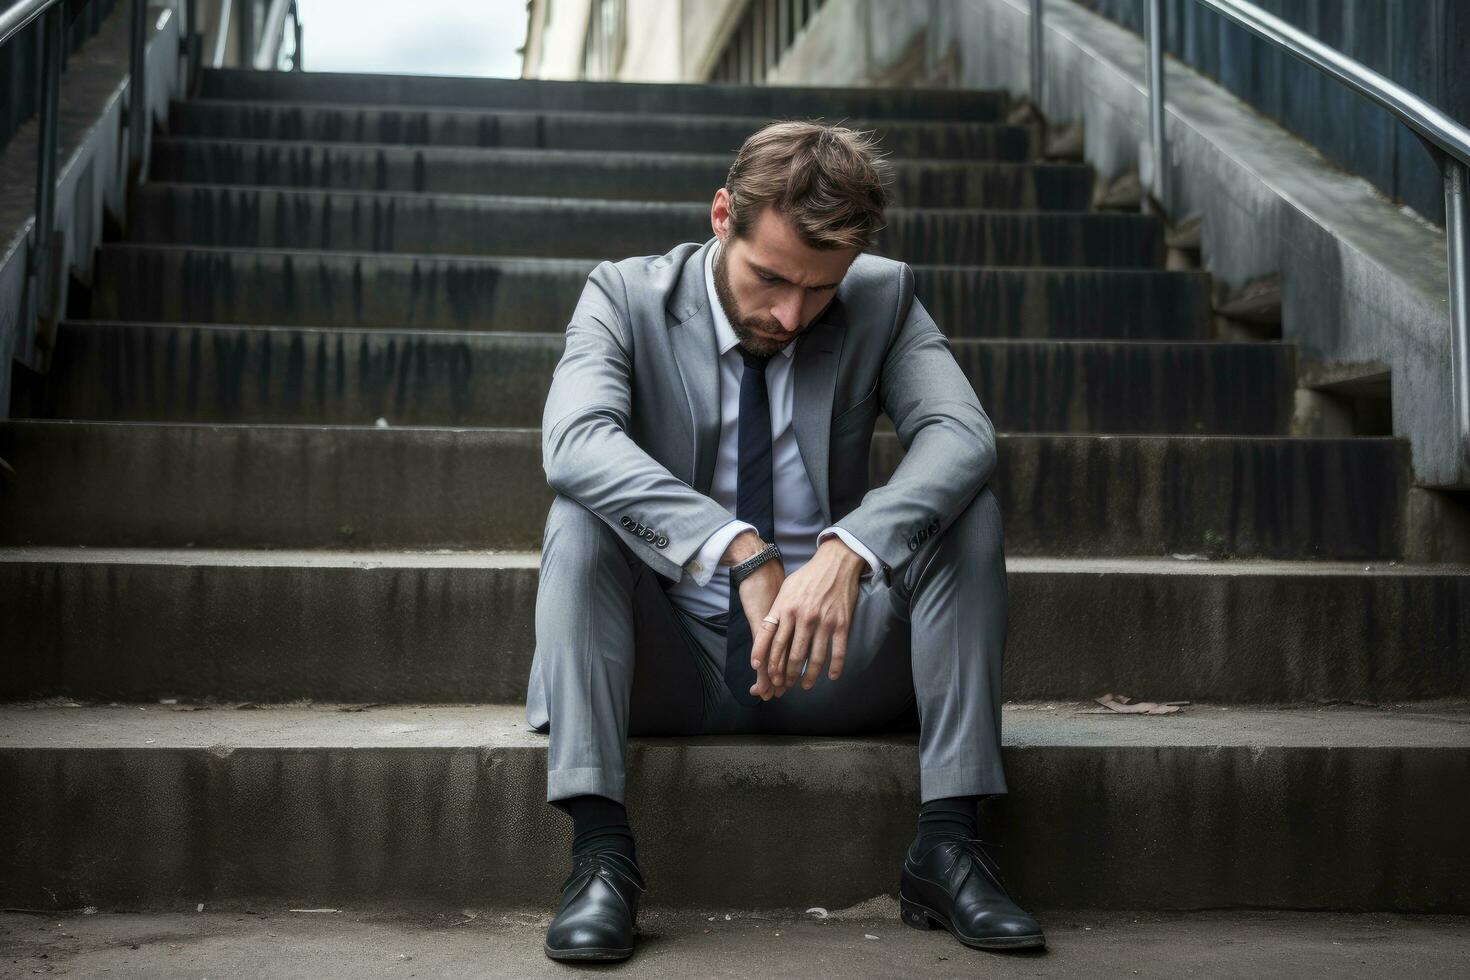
[[814, 605], [757, 593]]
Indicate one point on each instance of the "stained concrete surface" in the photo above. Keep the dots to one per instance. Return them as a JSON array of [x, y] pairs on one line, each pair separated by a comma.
[[866, 940], [1215, 807], [52, 724]]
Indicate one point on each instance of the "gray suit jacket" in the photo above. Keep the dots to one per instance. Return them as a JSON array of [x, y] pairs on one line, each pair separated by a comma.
[[631, 424]]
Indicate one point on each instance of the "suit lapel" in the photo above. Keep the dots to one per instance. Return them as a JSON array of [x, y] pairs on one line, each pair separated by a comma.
[[814, 378], [814, 370], [692, 336]]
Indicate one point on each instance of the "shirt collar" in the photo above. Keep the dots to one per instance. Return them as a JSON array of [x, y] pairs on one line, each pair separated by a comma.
[[724, 333]]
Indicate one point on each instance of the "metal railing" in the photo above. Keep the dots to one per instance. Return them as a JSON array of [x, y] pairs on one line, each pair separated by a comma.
[[43, 280], [1448, 143], [43, 259], [260, 31]]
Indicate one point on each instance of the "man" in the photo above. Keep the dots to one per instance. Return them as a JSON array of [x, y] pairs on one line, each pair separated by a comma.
[[709, 419]]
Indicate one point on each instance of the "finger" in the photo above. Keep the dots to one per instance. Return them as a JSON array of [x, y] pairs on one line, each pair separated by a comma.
[[798, 669], [780, 646], [839, 651], [817, 658], [800, 647], [759, 652]]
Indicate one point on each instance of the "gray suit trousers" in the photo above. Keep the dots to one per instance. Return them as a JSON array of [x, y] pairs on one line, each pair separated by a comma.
[[928, 649]]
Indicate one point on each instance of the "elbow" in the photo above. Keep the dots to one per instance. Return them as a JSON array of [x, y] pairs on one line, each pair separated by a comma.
[[559, 459], [983, 450], [572, 449]]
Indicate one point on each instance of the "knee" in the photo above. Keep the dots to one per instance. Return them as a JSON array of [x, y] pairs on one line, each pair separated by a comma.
[[973, 540], [572, 529], [566, 516], [979, 528]]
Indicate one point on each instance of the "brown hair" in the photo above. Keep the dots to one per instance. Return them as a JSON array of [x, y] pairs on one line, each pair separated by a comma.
[[829, 180]]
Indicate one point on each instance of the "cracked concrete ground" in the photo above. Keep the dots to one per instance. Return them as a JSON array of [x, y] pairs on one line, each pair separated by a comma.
[[861, 942]]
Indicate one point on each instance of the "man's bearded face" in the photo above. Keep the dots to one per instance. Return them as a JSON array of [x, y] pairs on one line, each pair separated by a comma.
[[785, 283]]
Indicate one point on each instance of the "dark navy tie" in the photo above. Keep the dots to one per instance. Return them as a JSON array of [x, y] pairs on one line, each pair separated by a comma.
[[755, 503]]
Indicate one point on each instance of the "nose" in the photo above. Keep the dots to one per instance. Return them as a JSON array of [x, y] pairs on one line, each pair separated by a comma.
[[788, 313]]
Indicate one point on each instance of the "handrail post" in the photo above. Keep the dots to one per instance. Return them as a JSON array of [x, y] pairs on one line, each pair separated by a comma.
[[1156, 95], [245, 32], [40, 274], [137, 90], [296, 27], [220, 22], [1457, 236], [1038, 53], [192, 44]]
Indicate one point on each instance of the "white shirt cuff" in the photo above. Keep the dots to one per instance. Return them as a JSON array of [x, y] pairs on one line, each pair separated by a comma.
[[874, 565], [701, 568]]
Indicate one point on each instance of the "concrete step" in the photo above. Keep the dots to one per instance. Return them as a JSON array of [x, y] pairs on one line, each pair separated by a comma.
[[861, 942], [597, 131], [382, 291], [322, 807], [211, 373], [199, 214], [122, 485], [361, 88], [397, 626], [577, 173]]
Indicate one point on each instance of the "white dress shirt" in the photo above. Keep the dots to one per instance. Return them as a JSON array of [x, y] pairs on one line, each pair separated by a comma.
[[704, 589]]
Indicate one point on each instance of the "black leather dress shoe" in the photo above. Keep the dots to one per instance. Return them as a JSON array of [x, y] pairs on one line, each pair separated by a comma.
[[597, 919], [955, 884]]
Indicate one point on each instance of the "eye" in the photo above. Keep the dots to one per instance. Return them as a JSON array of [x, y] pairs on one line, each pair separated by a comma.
[[766, 278]]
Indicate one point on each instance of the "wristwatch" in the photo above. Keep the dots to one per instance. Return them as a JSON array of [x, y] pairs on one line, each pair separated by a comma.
[[740, 571]]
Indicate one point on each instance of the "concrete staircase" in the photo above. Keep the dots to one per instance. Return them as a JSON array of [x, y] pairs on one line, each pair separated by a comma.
[[288, 463]]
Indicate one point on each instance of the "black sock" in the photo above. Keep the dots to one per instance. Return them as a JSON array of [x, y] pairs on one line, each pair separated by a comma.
[[946, 815], [598, 823]]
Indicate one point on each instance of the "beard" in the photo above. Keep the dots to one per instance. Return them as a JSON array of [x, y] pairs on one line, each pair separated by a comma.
[[745, 328]]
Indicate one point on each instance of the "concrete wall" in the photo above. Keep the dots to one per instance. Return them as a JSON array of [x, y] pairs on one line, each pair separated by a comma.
[[555, 50], [666, 40], [1362, 279], [653, 55], [706, 26]]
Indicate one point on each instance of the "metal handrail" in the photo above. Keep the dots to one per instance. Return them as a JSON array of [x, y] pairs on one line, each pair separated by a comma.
[[41, 278], [273, 34], [1038, 53], [259, 51], [221, 33], [14, 19], [43, 258], [1448, 141], [1426, 120]]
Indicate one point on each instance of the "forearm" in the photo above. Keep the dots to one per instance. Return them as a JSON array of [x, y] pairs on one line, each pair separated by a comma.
[[586, 449], [943, 469], [661, 517], [948, 440]]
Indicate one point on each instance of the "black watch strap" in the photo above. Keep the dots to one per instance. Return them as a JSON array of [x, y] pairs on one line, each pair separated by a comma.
[[740, 571]]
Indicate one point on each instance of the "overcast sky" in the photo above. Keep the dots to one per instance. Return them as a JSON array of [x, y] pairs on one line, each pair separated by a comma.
[[433, 37]]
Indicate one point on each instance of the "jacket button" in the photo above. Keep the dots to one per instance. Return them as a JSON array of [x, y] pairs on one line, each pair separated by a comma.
[[662, 542], [627, 521], [934, 526], [913, 542]]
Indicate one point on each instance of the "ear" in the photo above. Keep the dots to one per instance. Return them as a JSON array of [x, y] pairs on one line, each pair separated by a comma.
[[719, 214]]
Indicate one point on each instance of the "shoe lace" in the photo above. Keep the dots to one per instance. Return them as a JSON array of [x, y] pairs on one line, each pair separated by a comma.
[[976, 848], [607, 863]]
